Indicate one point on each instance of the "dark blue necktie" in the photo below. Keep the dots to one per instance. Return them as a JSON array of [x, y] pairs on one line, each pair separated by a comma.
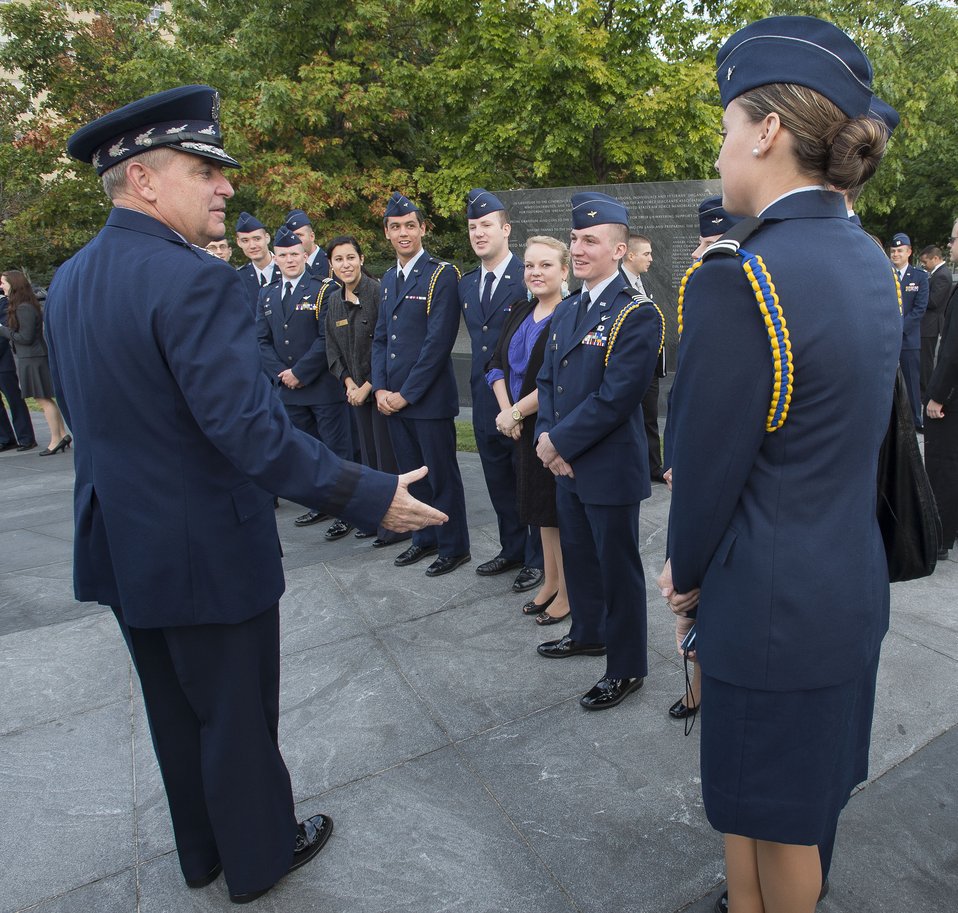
[[486, 298], [262, 279], [400, 281], [584, 301], [288, 293]]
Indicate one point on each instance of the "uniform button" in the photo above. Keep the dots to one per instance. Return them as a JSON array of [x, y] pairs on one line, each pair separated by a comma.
[[395, 317], [285, 326], [287, 342], [394, 336], [557, 413], [559, 389], [484, 348], [565, 362], [392, 354], [484, 329]]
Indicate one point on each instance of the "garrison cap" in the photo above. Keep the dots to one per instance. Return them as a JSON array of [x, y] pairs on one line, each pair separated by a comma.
[[285, 237], [399, 205], [900, 240], [186, 118], [800, 50], [296, 218], [481, 202], [590, 208], [713, 219], [246, 222], [881, 110]]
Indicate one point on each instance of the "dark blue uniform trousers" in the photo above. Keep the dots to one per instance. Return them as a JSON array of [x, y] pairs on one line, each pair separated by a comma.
[[328, 422], [18, 409], [212, 701], [910, 361], [605, 580], [432, 442], [497, 455]]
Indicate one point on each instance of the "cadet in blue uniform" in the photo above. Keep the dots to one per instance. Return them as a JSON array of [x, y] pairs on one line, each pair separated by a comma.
[[414, 382], [291, 326], [590, 432], [316, 260], [253, 239], [174, 527], [781, 398], [487, 295], [914, 301]]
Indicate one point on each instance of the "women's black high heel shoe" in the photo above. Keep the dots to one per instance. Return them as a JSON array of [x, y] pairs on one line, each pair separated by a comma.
[[64, 444]]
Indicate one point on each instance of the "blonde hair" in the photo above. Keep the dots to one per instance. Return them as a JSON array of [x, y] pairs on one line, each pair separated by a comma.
[[560, 247]]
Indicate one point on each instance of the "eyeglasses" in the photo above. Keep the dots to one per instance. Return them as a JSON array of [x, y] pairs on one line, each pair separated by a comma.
[[952, 240]]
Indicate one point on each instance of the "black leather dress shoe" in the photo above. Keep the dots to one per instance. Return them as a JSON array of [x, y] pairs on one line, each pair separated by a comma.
[[942, 554], [359, 534], [527, 579], [206, 879], [31, 446], [413, 554], [498, 565], [607, 692], [339, 529], [10, 445], [444, 565], [658, 477], [566, 646], [721, 905], [309, 518], [679, 710], [310, 839]]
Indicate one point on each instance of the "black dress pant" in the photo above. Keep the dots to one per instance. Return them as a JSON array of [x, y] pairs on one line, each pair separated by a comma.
[[650, 413], [212, 701]]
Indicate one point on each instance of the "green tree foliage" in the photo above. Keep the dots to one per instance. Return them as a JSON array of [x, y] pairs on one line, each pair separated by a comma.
[[330, 107]]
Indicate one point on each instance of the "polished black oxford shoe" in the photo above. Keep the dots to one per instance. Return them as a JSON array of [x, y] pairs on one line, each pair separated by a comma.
[[311, 837], [498, 565], [566, 646], [527, 579], [206, 879], [309, 518], [31, 446], [413, 554], [339, 529], [10, 445], [444, 565], [607, 692]]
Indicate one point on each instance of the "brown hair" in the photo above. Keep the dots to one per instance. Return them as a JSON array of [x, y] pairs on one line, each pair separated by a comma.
[[842, 151], [21, 292]]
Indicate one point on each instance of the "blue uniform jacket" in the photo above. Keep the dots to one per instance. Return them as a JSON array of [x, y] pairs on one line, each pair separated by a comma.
[[779, 528], [294, 336], [179, 436], [914, 301], [412, 348], [484, 328], [320, 266], [593, 411], [251, 283]]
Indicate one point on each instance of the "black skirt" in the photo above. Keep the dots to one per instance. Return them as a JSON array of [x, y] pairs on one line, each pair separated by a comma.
[[34, 376], [780, 765], [535, 485]]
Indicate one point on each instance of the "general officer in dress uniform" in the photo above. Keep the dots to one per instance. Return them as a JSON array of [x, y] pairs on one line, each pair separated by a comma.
[[487, 295], [253, 239], [413, 380], [316, 260], [590, 431], [781, 399], [914, 301], [174, 527], [291, 327]]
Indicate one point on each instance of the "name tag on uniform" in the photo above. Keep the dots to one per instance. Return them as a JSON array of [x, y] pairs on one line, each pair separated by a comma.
[[267, 311], [595, 338], [342, 323]]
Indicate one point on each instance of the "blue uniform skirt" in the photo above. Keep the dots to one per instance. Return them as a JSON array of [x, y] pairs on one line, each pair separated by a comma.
[[780, 765]]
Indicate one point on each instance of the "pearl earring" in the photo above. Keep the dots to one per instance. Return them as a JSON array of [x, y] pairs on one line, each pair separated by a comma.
[[755, 152]]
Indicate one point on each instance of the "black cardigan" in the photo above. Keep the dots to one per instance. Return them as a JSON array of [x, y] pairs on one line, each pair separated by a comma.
[[500, 358]]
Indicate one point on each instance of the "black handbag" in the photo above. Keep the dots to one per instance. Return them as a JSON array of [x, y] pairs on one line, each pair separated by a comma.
[[907, 512]]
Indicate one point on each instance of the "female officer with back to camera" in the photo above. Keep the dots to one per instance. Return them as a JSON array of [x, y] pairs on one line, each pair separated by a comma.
[[781, 399]]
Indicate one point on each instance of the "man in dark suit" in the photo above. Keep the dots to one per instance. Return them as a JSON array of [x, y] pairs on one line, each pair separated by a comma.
[[19, 435], [939, 291], [253, 239], [914, 300], [316, 260], [636, 263], [604, 348], [414, 383], [487, 295], [291, 327], [174, 526]]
